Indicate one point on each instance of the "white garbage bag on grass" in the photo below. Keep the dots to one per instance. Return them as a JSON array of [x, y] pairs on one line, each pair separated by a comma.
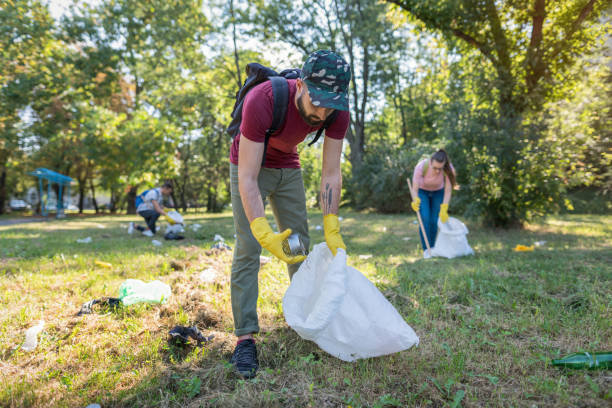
[[338, 308], [451, 240]]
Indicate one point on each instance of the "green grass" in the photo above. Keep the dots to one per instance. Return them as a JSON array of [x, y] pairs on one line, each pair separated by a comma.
[[488, 324]]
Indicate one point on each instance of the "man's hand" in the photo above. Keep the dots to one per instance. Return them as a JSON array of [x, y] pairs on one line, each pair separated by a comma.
[[331, 227], [443, 213], [271, 241], [416, 204]]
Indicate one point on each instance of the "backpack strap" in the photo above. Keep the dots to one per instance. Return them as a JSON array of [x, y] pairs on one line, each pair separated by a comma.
[[280, 93], [328, 121]]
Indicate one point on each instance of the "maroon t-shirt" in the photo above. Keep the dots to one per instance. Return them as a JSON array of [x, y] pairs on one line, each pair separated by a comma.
[[282, 146]]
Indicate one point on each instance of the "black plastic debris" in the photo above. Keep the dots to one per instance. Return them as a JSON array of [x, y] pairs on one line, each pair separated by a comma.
[[173, 236], [109, 302], [180, 335]]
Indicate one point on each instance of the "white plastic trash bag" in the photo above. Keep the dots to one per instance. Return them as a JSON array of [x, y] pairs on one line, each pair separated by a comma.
[[338, 308], [451, 240], [176, 217]]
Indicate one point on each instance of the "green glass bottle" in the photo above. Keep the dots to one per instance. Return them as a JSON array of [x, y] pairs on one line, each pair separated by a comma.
[[586, 360]]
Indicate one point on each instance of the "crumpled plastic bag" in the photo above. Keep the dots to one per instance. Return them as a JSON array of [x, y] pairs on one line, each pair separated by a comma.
[[523, 248], [175, 229], [451, 240], [136, 291], [31, 336], [338, 308]]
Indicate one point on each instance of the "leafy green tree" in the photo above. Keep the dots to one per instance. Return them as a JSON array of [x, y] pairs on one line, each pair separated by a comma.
[[359, 30], [518, 55], [26, 41], [146, 49]]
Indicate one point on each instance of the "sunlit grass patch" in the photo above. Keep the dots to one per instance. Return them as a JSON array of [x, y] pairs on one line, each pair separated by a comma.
[[488, 324]]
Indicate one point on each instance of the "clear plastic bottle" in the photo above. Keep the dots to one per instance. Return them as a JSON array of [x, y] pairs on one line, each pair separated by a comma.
[[587, 360]]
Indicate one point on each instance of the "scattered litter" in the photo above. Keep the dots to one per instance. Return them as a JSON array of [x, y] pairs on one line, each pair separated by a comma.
[[588, 360], [384, 229], [222, 246], [406, 238], [208, 275], [156, 242], [523, 248], [84, 240], [124, 226], [110, 302], [31, 336], [75, 256], [100, 226], [93, 406], [136, 291], [264, 259], [539, 243], [173, 236], [340, 218], [180, 335], [196, 226], [63, 257], [368, 256], [414, 222], [219, 238], [103, 264], [175, 229], [318, 227]]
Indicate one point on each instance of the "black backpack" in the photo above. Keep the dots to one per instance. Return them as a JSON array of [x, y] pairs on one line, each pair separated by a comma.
[[256, 74]]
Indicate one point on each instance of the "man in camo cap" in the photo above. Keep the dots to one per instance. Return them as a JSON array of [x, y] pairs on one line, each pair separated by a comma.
[[321, 89]]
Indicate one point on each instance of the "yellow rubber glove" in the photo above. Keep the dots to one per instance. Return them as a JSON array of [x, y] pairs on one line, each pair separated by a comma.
[[443, 213], [416, 204], [169, 219], [271, 241], [331, 228]]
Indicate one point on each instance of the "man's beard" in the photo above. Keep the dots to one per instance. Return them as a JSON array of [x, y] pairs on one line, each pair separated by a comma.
[[312, 120]]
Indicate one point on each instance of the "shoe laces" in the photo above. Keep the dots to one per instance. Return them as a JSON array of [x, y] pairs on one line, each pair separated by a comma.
[[246, 353]]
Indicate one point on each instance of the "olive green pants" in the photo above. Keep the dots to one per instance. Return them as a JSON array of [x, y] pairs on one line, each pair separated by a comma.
[[284, 189]]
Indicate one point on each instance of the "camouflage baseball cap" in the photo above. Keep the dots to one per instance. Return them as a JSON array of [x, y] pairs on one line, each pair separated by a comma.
[[327, 76]]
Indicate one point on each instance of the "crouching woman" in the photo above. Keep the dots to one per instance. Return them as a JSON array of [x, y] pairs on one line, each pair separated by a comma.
[[432, 182]]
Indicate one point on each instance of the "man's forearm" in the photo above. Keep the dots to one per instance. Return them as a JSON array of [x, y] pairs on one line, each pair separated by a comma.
[[251, 199], [158, 208], [331, 188]]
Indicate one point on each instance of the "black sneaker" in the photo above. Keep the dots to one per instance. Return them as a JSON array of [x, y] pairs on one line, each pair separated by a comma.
[[245, 358]]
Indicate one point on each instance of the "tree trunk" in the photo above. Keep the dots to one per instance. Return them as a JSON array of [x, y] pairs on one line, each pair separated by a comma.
[[234, 36], [131, 198], [113, 202], [2, 189], [93, 195], [81, 195]]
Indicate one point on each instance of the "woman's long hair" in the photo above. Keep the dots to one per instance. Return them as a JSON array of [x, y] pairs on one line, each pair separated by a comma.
[[442, 157]]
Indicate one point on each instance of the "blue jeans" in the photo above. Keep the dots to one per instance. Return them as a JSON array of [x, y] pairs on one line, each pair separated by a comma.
[[150, 217], [430, 209]]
